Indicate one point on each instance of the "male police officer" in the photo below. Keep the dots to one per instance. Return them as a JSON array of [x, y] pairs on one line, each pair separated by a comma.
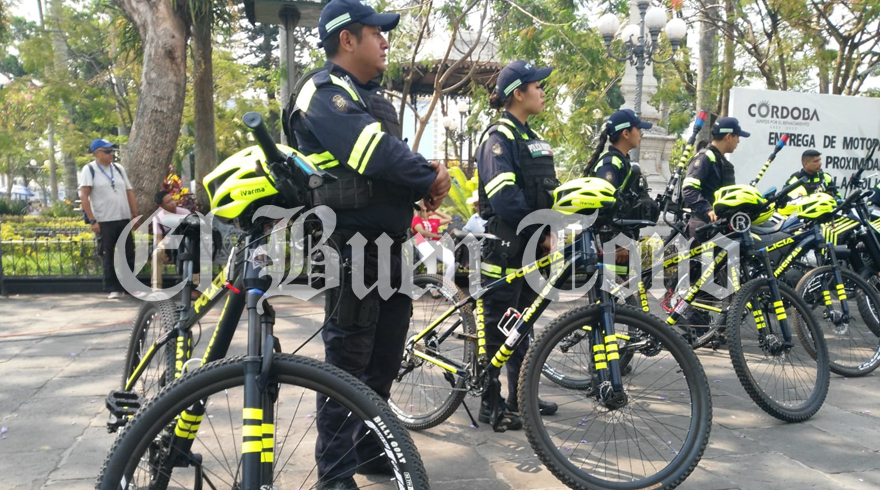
[[817, 180], [344, 125], [709, 171]]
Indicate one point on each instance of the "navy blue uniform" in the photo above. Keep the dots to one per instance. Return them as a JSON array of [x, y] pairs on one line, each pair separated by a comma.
[[707, 172], [502, 182], [614, 167], [818, 182], [336, 122]]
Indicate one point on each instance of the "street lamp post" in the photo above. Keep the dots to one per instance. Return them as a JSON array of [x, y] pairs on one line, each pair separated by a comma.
[[638, 50], [457, 135]]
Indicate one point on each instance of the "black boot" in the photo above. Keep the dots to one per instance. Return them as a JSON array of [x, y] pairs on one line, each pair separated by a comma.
[[546, 408]]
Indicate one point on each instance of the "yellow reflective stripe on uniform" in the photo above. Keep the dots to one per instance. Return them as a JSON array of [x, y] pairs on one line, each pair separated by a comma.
[[345, 86], [711, 156], [692, 182], [323, 160], [506, 132], [495, 271], [500, 180], [304, 98], [364, 146]]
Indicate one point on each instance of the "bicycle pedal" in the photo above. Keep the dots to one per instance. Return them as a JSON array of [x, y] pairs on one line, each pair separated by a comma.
[[123, 403]]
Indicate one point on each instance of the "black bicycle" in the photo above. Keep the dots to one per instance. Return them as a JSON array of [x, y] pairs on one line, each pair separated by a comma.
[[246, 422], [634, 411]]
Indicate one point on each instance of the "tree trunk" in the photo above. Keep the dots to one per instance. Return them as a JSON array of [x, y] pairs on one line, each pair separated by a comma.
[[705, 62], [59, 50], [156, 127], [53, 166], [729, 58], [203, 102]]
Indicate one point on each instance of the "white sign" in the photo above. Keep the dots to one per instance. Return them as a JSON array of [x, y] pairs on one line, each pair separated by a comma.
[[842, 128]]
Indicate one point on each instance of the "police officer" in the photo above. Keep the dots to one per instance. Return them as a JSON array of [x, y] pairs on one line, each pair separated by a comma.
[[624, 130], [516, 175], [709, 171], [344, 125], [817, 180]]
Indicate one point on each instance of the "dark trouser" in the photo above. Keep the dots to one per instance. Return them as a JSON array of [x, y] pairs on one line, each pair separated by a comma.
[[109, 235], [516, 294], [370, 348]]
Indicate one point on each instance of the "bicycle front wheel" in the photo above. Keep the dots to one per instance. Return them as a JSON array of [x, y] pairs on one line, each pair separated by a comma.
[[424, 394], [654, 440], [139, 458], [787, 379], [154, 318], [853, 348]]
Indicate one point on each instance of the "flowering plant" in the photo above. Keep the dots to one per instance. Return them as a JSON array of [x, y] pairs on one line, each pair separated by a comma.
[[182, 195]]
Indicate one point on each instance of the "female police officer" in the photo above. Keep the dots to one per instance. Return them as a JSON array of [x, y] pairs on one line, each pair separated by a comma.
[[516, 176], [624, 130]]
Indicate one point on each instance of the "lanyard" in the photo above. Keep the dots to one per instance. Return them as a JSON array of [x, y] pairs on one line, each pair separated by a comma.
[[110, 177]]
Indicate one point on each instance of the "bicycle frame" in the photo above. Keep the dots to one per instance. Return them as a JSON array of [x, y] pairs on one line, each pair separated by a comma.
[[606, 357], [226, 324]]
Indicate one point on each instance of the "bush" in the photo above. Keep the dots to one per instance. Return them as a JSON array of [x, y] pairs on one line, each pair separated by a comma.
[[60, 210], [14, 208]]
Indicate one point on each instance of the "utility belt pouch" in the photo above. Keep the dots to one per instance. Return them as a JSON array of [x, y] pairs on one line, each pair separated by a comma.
[[344, 193], [508, 244], [342, 305]]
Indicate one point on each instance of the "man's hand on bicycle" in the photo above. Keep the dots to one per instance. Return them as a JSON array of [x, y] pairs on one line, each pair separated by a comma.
[[712, 216], [548, 244]]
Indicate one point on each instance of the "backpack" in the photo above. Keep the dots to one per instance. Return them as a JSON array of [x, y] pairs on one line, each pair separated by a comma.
[[92, 171]]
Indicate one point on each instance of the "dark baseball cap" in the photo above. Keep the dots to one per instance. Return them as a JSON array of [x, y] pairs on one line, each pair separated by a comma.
[[340, 13], [725, 125], [101, 143], [519, 73], [625, 119]]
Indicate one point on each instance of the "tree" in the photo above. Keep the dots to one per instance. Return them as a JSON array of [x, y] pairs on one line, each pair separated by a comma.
[[163, 27], [203, 94]]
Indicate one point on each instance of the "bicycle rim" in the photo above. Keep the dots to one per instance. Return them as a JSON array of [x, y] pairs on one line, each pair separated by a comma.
[[654, 441], [425, 394], [139, 457], [853, 348], [788, 383]]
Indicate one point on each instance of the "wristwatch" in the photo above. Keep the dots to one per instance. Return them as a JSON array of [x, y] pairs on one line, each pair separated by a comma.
[[92, 221]]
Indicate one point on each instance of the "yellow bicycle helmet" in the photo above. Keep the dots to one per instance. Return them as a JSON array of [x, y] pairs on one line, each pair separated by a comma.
[[235, 185], [584, 196], [815, 205], [733, 199]]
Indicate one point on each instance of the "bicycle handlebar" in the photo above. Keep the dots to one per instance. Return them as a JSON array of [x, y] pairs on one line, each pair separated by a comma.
[[254, 121]]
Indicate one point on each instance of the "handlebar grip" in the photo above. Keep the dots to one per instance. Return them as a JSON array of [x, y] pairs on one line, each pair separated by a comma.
[[849, 200], [785, 190], [254, 121], [717, 224]]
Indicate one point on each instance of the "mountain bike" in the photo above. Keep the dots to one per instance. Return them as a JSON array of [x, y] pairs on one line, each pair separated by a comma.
[[245, 422], [634, 384]]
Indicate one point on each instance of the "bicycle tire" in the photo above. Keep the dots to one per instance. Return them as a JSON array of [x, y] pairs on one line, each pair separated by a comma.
[[215, 381], [853, 348], [745, 336], [869, 273], [153, 319], [425, 395], [682, 388]]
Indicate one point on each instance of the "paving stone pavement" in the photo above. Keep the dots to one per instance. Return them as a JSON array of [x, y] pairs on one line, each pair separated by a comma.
[[61, 354]]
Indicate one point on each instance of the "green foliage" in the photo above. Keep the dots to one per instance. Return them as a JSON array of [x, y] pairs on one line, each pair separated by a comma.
[[12, 208]]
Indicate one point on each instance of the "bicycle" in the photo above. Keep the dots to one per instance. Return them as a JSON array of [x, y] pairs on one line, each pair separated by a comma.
[[630, 369], [174, 439]]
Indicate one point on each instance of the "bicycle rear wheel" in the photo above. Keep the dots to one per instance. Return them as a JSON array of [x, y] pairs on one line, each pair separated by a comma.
[[654, 441], [853, 348], [136, 458], [788, 382], [154, 318], [424, 394]]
